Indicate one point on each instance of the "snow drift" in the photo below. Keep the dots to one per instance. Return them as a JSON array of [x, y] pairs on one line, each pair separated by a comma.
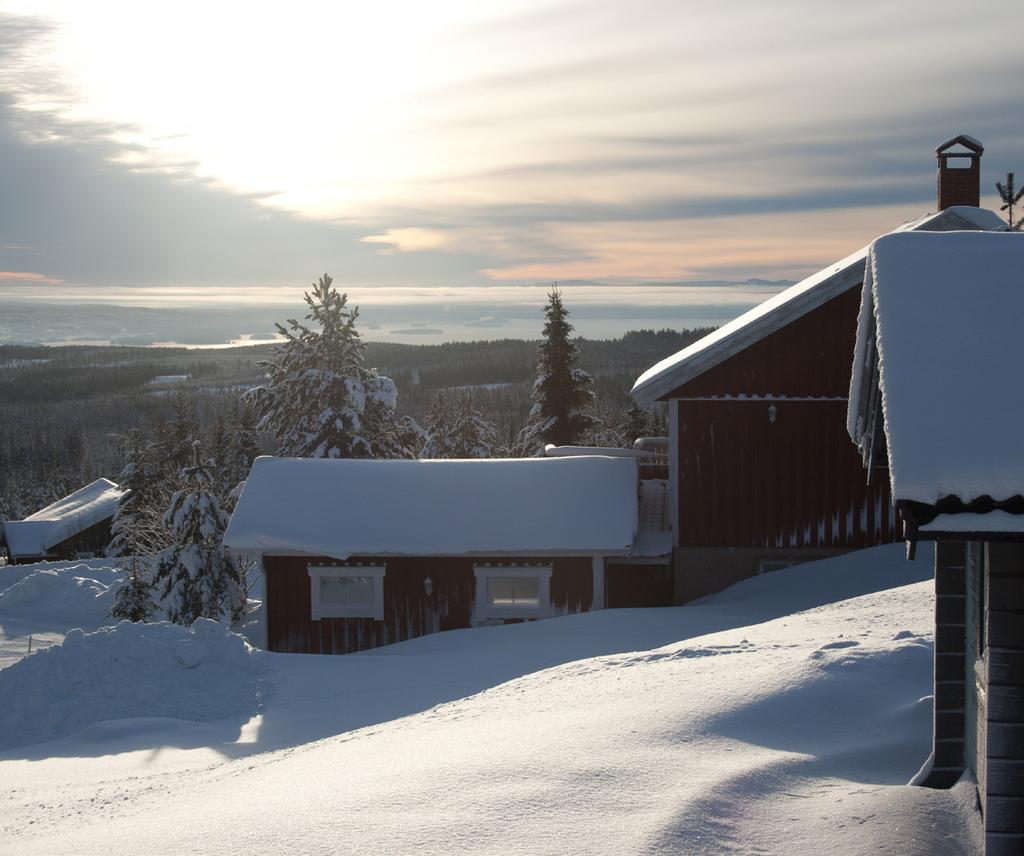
[[202, 672]]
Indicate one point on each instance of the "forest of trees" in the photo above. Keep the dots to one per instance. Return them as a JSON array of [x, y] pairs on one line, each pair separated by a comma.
[[67, 411]]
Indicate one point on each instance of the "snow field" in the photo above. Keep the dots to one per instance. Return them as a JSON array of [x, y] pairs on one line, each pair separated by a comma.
[[727, 726]]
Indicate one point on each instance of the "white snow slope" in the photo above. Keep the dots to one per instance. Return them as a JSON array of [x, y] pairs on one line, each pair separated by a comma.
[[726, 726]]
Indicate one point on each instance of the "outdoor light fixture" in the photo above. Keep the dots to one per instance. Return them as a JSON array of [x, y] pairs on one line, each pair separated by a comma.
[[772, 412]]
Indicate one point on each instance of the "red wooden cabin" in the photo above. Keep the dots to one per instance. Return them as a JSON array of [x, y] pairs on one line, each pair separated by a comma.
[[361, 553], [761, 471]]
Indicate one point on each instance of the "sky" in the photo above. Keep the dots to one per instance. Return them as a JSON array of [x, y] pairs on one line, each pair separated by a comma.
[[189, 146]]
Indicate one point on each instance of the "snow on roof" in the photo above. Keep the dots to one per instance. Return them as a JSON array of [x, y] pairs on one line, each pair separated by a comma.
[[86, 507], [964, 140], [786, 306], [947, 310], [341, 508], [995, 522], [553, 451]]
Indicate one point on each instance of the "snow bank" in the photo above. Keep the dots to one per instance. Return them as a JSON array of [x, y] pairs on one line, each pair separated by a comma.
[[947, 309], [342, 508], [126, 671], [56, 593]]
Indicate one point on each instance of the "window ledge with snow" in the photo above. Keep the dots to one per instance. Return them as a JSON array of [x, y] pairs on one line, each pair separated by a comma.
[[347, 591], [512, 591]]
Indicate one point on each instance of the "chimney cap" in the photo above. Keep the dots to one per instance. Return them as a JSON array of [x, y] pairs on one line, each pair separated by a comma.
[[964, 140]]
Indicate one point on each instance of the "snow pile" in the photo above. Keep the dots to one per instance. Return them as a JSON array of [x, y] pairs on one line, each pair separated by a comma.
[[60, 593], [126, 671], [349, 507]]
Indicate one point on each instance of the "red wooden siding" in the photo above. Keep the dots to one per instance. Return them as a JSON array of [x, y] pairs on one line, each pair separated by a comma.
[[638, 585], [811, 356], [408, 610], [796, 482], [745, 481]]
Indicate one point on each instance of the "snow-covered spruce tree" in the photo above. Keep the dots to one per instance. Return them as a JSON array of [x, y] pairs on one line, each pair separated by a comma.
[[196, 577], [561, 392], [636, 423], [1011, 196], [137, 528], [134, 600], [457, 430], [319, 400]]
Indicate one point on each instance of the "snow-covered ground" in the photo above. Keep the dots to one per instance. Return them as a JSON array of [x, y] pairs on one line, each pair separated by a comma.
[[39, 602], [783, 716]]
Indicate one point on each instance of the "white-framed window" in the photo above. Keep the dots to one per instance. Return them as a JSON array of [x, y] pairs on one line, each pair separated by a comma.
[[519, 591], [347, 591]]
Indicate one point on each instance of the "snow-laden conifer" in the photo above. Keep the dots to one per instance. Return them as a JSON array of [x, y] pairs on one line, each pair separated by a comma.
[[137, 528], [196, 577], [134, 600], [457, 430], [561, 392], [319, 400]]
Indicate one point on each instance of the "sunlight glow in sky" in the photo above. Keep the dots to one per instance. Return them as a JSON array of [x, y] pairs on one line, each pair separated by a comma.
[[459, 142]]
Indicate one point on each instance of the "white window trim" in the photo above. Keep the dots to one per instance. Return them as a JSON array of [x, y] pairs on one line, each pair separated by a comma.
[[334, 610], [484, 610]]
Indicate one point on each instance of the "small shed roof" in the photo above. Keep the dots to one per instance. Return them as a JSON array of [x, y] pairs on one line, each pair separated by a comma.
[[785, 307], [523, 506], [941, 314], [59, 521]]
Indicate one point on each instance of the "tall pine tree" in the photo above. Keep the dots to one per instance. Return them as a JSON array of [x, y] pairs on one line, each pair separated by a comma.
[[561, 392], [196, 577], [320, 401]]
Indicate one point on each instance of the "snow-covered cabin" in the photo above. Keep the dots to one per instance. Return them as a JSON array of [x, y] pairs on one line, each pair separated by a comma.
[[76, 525], [937, 412], [761, 472], [361, 553]]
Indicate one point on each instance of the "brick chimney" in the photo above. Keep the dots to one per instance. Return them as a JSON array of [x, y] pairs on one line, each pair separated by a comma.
[[959, 172]]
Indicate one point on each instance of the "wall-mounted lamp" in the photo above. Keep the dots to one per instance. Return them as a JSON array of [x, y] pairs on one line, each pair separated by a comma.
[[773, 411], [428, 586]]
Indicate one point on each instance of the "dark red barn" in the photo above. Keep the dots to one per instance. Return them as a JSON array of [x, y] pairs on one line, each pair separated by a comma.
[[761, 471]]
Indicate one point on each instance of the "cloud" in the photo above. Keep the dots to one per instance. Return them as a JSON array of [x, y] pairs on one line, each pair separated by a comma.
[[28, 276], [410, 240], [561, 140]]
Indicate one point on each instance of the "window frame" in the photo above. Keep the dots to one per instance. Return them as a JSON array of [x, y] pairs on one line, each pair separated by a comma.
[[484, 609], [320, 610]]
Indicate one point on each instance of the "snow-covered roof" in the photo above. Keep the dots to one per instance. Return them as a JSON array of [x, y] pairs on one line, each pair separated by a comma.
[[994, 523], [86, 507], [553, 451], [943, 312], [523, 506], [786, 306]]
